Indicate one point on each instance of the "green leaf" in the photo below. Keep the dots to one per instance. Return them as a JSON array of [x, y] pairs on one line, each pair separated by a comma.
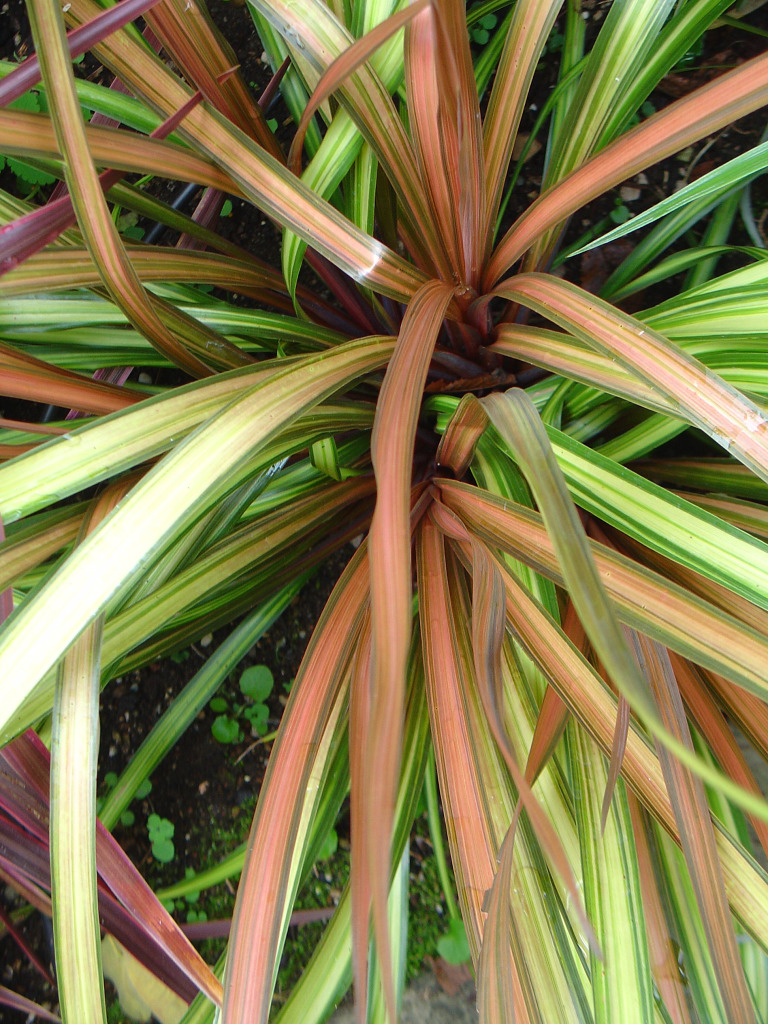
[[159, 828], [258, 716], [142, 790], [663, 521], [133, 231], [736, 172], [324, 456], [329, 847], [218, 704], [225, 730], [622, 983], [27, 173], [256, 682], [453, 946], [163, 850], [194, 896], [73, 767], [245, 428]]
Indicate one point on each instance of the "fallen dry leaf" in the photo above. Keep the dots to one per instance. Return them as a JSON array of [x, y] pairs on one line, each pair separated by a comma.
[[450, 977]]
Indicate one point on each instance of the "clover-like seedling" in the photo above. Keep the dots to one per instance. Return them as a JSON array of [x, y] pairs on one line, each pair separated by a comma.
[[127, 818], [27, 176], [160, 832], [194, 895], [481, 32], [256, 684], [143, 789], [226, 729]]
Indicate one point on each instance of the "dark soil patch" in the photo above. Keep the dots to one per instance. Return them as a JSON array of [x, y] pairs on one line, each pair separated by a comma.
[[203, 783]]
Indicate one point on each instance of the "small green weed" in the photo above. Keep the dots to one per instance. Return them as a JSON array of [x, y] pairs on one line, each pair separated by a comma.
[[127, 818], [160, 832], [452, 945], [185, 905], [329, 847], [620, 212], [28, 178], [256, 684], [481, 32], [129, 228]]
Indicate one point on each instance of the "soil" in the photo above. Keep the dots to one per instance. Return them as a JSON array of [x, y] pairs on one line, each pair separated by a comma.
[[428, 1002], [202, 781], [205, 788]]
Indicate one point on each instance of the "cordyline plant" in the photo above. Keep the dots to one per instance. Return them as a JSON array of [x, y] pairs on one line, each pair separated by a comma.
[[572, 636]]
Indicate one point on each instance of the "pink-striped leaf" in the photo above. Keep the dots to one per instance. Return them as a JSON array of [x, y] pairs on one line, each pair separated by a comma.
[[23, 376], [470, 769], [27, 75], [34, 134], [553, 714], [360, 880], [593, 704], [531, 23], [618, 747], [392, 444], [689, 803], [28, 234], [461, 117], [712, 724], [178, 336], [469, 831], [464, 430], [704, 398], [261, 911], [498, 998], [711, 591], [565, 355], [703, 112], [644, 599], [487, 635], [190, 37], [445, 119], [258, 175], [747, 712], [664, 963], [49, 271]]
